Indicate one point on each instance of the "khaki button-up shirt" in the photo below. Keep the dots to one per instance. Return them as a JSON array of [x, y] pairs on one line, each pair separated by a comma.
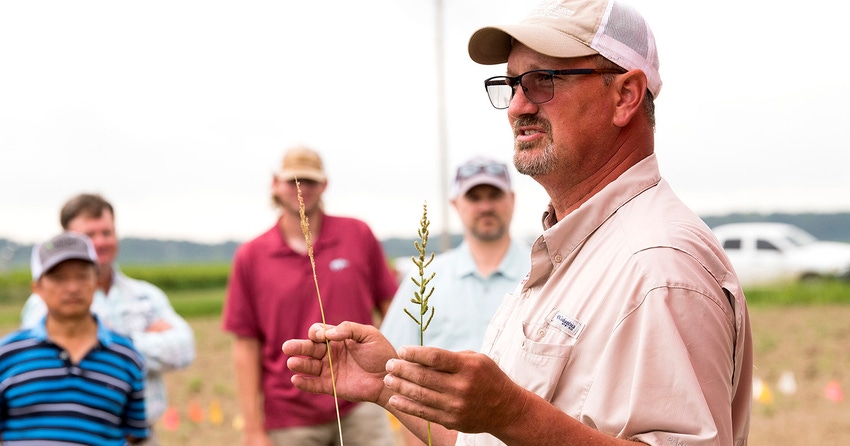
[[631, 321]]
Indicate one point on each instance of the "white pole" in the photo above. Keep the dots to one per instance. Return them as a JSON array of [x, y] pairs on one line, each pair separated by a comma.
[[442, 149]]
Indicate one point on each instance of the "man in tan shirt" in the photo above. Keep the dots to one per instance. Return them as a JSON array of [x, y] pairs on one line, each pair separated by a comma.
[[631, 326]]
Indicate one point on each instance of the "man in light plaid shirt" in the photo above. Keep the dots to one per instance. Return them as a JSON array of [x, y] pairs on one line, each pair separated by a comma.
[[130, 307]]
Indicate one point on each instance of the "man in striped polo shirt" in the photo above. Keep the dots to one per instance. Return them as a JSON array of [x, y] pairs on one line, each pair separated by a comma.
[[69, 380]]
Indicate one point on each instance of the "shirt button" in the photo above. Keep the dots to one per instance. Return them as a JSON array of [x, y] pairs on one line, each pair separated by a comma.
[[541, 332], [558, 258], [63, 356]]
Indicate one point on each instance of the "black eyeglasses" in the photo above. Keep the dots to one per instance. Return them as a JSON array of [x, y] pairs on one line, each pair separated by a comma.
[[538, 86], [495, 169]]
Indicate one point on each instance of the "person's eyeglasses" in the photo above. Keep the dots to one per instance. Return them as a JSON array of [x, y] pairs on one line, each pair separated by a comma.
[[495, 169], [538, 86]]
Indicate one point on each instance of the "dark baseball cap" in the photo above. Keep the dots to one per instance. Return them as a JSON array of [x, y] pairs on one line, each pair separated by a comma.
[[65, 246]]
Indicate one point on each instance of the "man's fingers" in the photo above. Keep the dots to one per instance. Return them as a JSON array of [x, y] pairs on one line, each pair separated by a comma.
[[304, 347], [316, 333], [432, 384], [416, 388], [411, 407], [311, 384], [422, 402], [436, 358], [304, 366], [426, 367]]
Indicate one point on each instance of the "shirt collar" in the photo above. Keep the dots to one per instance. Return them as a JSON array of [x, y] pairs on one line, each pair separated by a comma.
[[327, 236], [465, 264], [508, 267], [103, 334], [572, 229]]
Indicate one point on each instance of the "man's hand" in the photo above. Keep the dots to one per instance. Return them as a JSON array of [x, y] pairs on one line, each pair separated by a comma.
[[158, 326], [359, 354], [464, 391]]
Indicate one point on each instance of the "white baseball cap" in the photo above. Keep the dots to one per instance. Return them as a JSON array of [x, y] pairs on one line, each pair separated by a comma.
[[478, 171]]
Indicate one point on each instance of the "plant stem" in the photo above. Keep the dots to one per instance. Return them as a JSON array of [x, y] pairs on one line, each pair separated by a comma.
[[421, 296], [305, 229]]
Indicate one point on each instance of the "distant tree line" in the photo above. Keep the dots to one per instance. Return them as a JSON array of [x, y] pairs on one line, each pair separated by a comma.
[[835, 226]]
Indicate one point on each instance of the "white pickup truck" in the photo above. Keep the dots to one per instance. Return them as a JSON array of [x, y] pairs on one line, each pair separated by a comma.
[[773, 252]]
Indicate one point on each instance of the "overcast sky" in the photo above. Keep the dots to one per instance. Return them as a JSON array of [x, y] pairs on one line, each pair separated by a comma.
[[179, 111]]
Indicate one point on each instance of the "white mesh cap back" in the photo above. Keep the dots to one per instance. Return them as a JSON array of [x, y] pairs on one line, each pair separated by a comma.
[[623, 37]]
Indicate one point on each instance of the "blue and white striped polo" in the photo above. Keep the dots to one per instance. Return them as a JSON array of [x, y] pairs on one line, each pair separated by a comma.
[[45, 399]]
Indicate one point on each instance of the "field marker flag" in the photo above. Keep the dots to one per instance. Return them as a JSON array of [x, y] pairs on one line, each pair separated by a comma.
[[238, 422], [216, 416], [196, 412], [787, 384], [833, 392], [761, 392], [171, 419]]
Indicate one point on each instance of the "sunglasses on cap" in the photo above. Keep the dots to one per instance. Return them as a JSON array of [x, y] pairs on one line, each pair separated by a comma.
[[495, 169]]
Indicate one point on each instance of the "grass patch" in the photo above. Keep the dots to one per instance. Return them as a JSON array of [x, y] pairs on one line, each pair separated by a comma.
[[197, 303], [817, 292], [15, 285], [10, 314], [189, 276]]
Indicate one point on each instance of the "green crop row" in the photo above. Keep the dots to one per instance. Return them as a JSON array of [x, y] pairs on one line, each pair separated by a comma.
[[15, 284], [181, 276], [199, 289]]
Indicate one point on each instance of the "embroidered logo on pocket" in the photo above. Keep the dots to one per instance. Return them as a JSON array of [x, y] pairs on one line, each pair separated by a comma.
[[566, 324]]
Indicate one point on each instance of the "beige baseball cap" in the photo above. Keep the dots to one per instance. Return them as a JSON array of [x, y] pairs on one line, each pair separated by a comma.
[[302, 163], [576, 28]]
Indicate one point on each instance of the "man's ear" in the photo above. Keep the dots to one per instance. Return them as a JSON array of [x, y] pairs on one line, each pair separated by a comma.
[[631, 89]]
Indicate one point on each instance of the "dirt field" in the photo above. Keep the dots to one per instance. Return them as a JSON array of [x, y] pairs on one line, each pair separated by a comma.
[[810, 343]]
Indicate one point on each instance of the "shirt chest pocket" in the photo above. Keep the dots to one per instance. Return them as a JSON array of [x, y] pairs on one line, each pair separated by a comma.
[[539, 352]]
